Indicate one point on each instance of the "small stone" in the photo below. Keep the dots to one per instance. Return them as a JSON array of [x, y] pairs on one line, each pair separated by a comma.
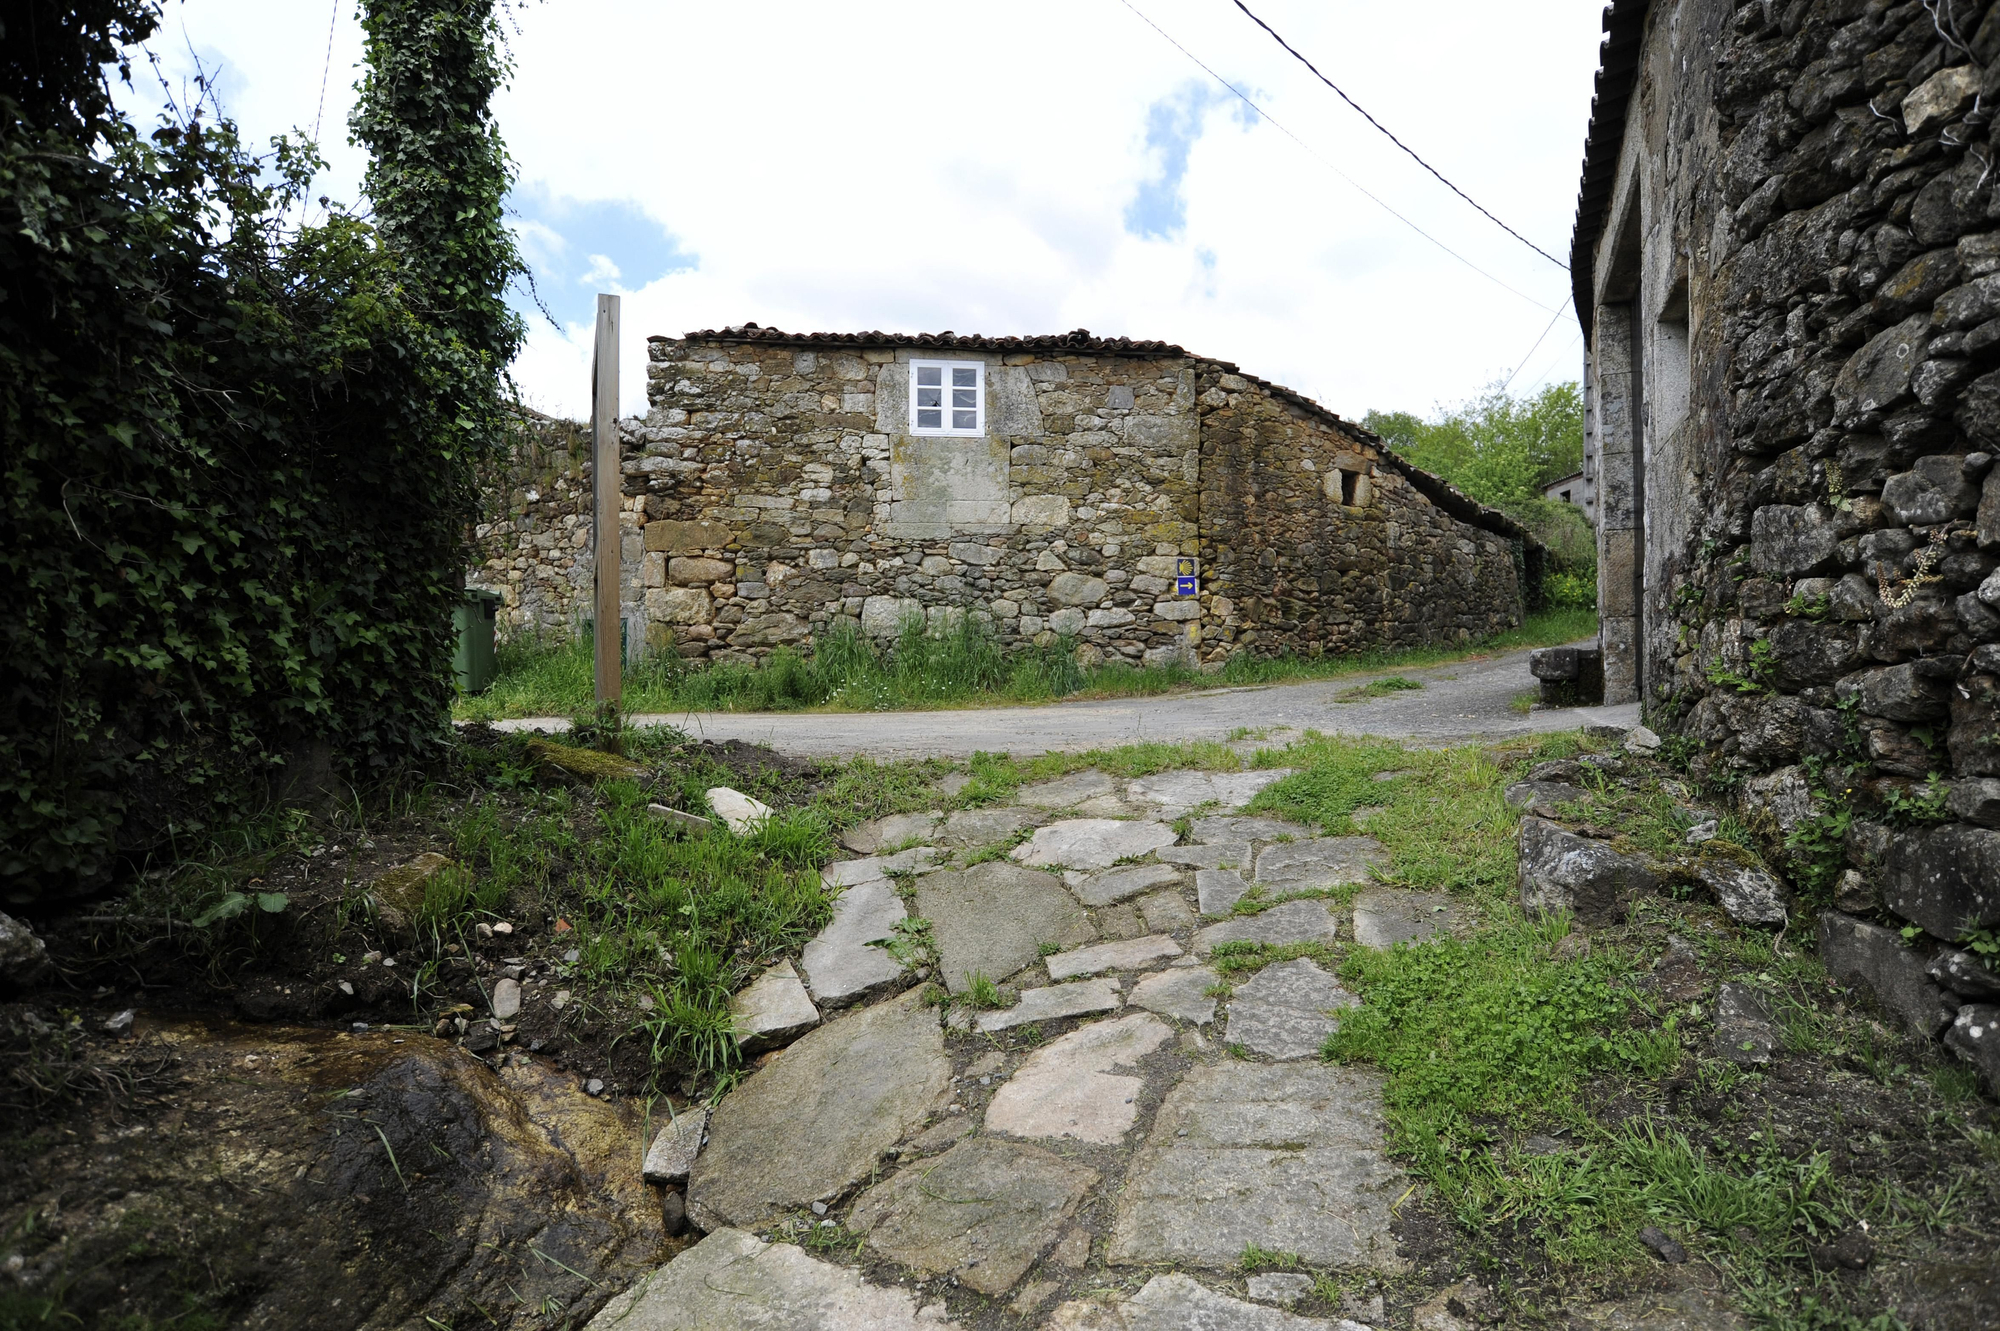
[[1053, 1002], [673, 1213], [1119, 922], [1074, 1249], [679, 818], [1287, 1011], [503, 929], [1744, 1031], [772, 1011], [1126, 954], [1067, 1089], [24, 958], [507, 999], [675, 1146], [1748, 893], [561, 1000], [1093, 843], [743, 814], [1705, 830], [1180, 994], [1218, 890], [1113, 885], [595, 1086], [119, 1023], [819, 1208], [1663, 1244], [1976, 799], [1283, 1288], [1641, 742]]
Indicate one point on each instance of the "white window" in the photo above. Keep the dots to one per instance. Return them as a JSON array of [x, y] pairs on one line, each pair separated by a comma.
[[947, 397]]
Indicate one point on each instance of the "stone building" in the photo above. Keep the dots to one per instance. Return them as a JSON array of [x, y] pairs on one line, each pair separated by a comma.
[[1787, 268], [1151, 504]]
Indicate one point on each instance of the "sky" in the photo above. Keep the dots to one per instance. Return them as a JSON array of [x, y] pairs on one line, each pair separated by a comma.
[[1025, 167]]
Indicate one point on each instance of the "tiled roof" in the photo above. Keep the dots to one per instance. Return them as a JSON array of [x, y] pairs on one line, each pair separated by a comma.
[[1082, 339], [1617, 69]]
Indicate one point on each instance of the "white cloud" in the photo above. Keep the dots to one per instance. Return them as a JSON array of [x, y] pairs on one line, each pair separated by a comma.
[[917, 167]]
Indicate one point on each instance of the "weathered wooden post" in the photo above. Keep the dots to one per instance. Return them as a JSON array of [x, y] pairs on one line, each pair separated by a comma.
[[606, 537]]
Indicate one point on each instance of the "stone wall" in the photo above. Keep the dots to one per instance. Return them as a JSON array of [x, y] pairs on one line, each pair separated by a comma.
[[773, 489], [1792, 284]]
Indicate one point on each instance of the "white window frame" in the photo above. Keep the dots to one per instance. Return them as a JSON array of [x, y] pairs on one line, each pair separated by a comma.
[[945, 368]]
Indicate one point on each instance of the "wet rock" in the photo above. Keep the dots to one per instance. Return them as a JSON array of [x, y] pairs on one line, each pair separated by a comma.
[[1543, 797], [1093, 843], [1319, 862], [1164, 912], [733, 1281], [1946, 879], [740, 812], [1217, 890], [1287, 1010], [993, 918], [1178, 793], [1560, 871], [1748, 893], [24, 958], [1181, 994], [983, 1212], [1123, 955], [1964, 975], [1386, 916], [1052, 1003], [1309, 921], [1113, 885], [814, 1122], [985, 827], [773, 1010], [1067, 1089], [1221, 855], [1284, 1155], [1066, 791], [1744, 1031], [1210, 831], [675, 1147], [1975, 1037], [1283, 1288], [842, 964], [897, 830], [1876, 961]]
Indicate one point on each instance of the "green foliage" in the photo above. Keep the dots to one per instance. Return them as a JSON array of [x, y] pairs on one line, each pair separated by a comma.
[[239, 448], [1255, 1259], [1378, 688]]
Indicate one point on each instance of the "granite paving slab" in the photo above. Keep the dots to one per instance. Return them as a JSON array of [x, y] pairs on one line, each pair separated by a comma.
[[993, 918], [916, 860], [1386, 916], [1053, 1002], [878, 834], [1180, 994], [1065, 791], [1287, 1156], [733, 1281], [1068, 1088], [1209, 831], [1287, 1010], [1124, 955], [1309, 921], [809, 1125], [1110, 885], [1164, 912], [1219, 855], [1093, 843], [741, 812], [982, 1212], [1283, 1288], [984, 827], [1217, 890], [772, 1010], [845, 873], [675, 1146], [1178, 793], [1178, 1302], [1319, 862], [842, 964]]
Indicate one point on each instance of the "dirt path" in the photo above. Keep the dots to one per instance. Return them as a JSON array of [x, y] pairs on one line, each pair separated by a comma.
[[1462, 700]]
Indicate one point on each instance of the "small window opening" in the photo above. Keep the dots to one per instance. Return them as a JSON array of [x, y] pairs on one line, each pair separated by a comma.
[[1350, 486], [947, 397]]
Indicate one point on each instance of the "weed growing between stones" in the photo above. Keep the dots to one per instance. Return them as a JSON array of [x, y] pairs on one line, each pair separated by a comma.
[[1378, 688]]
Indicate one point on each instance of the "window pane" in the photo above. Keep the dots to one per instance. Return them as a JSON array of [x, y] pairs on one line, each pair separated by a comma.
[[964, 420], [930, 397], [929, 374], [930, 420], [965, 378], [964, 397]]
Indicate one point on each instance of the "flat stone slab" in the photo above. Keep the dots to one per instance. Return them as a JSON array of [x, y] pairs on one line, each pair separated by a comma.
[[1124, 955], [984, 1211], [1283, 1288], [1181, 994], [1165, 912], [1290, 922], [842, 964], [845, 873], [1067, 1088], [1210, 831], [1182, 1303], [993, 918], [1386, 916], [1287, 1156], [1110, 885], [897, 829], [917, 859], [1177, 793], [1287, 1010], [1319, 862], [983, 827], [1744, 1031], [675, 1146], [1221, 855], [1093, 843], [743, 813], [774, 1009], [1218, 890], [815, 1122], [733, 1281], [1052, 1003], [1068, 790]]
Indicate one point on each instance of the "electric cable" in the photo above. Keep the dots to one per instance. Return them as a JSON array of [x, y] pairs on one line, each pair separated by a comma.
[[1531, 351]]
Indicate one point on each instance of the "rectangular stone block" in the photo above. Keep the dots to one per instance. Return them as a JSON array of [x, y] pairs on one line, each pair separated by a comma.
[[675, 538]]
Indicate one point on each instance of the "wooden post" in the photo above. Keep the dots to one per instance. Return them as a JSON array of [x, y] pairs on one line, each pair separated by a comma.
[[607, 538]]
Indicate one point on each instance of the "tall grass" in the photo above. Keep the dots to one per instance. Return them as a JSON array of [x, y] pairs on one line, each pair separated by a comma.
[[953, 661]]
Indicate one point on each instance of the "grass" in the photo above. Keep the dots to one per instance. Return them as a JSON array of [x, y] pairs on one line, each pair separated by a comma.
[[1378, 688], [955, 663]]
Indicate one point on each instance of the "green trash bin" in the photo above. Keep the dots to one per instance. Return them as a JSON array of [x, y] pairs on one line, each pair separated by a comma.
[[473, 663]]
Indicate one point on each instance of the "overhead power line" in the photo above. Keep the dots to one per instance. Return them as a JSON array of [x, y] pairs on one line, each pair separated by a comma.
[[1393, 139], [1329, 165]]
